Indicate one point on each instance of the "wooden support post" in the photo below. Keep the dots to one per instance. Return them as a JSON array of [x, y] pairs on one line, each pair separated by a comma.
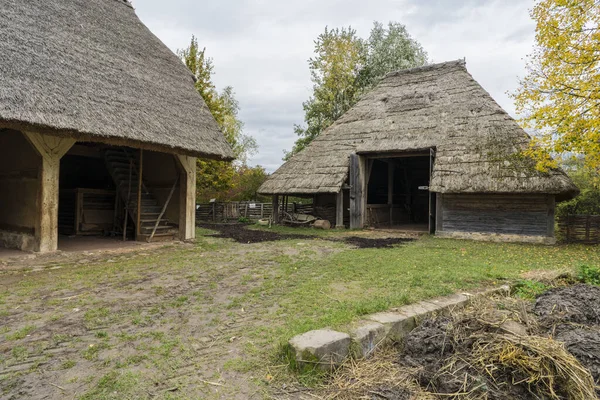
[[390, 198], [262, 210], [339, 210], [187, 198], [138, 221], [275, 215], [51, 149], [357, 179]]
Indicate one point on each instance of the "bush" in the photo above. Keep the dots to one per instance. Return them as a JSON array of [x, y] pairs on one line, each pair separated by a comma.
[[589, 275], [529, 290], [588, 201], [243, 220]]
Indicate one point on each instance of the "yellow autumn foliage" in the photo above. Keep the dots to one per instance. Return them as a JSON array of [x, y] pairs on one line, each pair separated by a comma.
[[560, 96]]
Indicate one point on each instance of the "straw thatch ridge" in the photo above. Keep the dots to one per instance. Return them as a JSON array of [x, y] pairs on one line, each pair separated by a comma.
[[436, 106], [90, 69]]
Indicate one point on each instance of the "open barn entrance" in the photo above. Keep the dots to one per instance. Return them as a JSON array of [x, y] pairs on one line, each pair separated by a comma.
[[99, 189], [398, 194]]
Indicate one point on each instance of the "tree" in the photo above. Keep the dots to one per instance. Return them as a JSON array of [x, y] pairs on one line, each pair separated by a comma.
[[334, 70], [560, 95], [388, 50], [246, 184], [217, 176], [346, 66]]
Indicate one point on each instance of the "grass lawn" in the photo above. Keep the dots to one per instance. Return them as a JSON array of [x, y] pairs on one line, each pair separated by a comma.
[[207, 320]]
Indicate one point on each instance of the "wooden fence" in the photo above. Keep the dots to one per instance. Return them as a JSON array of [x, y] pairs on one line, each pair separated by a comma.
[[254, 211], [579, 229]]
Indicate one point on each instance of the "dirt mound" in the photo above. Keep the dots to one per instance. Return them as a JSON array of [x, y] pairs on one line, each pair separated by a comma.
[[241, 234], [578, 304], [367, 243], [584, 344], [427, 345], [495, 349]]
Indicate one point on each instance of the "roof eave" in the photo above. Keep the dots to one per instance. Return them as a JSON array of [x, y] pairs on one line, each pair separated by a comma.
[[117, 141]]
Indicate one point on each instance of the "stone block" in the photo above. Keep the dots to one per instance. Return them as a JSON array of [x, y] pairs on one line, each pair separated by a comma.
[[323, 348], [449, 303], [366, 337], [397, 324]]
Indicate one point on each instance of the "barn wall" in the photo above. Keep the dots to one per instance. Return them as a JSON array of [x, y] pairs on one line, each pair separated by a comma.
[[159, 174], [325, 207], [512, 216], [19, 165]]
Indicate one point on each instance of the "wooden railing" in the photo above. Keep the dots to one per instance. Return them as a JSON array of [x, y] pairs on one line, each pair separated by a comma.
[[226, 211], [579, 229]]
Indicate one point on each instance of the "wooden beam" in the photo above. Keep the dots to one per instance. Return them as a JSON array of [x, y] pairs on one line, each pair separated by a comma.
[[339, 210], [51, 149], [275, 215], [187, 197]]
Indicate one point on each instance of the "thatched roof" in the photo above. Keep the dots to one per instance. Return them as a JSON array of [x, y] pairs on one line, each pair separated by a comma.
[[437, 106], [90, 69]]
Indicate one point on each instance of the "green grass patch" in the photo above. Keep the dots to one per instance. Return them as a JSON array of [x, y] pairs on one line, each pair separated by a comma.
[[116, 385], [21, 333], [68, 364], [529, 290]]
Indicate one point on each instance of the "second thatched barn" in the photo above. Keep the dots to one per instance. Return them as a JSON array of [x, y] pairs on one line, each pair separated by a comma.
[[427, 149]]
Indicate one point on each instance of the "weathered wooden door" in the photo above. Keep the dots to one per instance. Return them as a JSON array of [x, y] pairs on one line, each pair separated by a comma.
[[432, 198], [356, 193]]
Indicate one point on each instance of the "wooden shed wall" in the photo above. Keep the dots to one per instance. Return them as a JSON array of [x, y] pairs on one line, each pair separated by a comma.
[[19, 184], [526, 215]]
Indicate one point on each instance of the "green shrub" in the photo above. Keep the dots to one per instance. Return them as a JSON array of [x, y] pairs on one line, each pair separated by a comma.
[[243, 220], [529, 290], [588, 274]]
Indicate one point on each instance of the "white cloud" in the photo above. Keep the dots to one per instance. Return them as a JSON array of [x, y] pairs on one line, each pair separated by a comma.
[[260, 47]]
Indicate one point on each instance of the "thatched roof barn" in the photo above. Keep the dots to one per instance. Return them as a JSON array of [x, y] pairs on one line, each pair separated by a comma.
[[440, 112], [77, 76]]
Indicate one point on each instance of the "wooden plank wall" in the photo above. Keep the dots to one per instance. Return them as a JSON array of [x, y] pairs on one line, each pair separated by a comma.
[[225, 211], [579, 229], [500, 214]]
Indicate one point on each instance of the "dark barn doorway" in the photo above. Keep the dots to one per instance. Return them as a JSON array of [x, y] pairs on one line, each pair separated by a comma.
[[87, 193], [398, 194]]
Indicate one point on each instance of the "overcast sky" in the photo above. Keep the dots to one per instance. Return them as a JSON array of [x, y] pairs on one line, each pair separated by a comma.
[[261, 47]]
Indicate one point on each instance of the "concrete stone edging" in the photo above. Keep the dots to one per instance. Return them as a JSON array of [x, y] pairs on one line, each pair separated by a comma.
[[327, 348]]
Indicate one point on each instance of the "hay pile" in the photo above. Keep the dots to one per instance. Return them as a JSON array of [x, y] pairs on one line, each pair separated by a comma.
[[497, 349]]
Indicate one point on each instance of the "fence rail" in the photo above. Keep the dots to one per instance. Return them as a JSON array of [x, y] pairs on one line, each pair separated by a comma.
[[225, 211], [579, 229]]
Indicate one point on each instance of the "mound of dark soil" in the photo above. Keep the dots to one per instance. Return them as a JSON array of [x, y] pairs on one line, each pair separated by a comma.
[[241, 234], [572, 315], [584, 344], [429, 344], [367, 243], [445, 362], [579, 304]]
